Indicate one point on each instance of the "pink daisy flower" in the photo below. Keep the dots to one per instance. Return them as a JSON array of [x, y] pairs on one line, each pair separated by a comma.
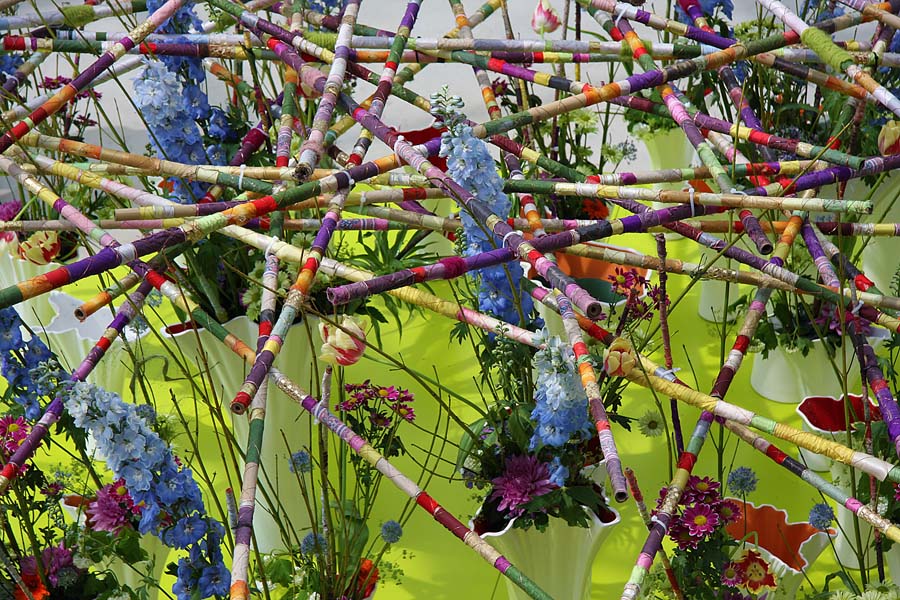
[[700, 520], [701, 489], [681, 536], [13, 431], [732, 574]]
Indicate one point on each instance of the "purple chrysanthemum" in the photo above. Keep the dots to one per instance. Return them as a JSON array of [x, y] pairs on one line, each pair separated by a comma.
[[525, 478], [113, 510], [700, 519]]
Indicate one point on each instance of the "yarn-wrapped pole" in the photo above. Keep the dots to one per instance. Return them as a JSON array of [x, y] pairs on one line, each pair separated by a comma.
[[595, 401], [449, 268], [645, 517], [54, 410], [270, 350], [769, 268], [71, 89], [689, 456], [360, 446], [312, 149], [833, 55], [622, 30]]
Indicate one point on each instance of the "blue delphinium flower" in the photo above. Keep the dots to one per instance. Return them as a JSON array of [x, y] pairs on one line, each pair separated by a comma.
[[391, 531], [159, 94], [313, 543], [172, 505], [469, 163], [821, 516], [558, 472], [742, 481], [300, 462], [176, 134], [28, 366], [560, 412], [219, 128], [9, 63]]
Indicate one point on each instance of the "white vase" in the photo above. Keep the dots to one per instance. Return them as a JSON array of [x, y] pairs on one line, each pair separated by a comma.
[[284, 419], [558, 559], [879, 259], [845, 541], [36, 312], [669, 150], [711, 305], [789, 377], [71, 340]]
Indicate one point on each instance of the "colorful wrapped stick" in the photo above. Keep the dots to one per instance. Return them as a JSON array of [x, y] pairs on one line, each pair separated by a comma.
[[54, 410], [67, 92], [454, 267], [270, 350], [820, 42]]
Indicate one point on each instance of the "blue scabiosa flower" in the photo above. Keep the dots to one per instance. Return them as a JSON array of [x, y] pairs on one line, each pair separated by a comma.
[[821, 516], [742, 481], [391, 532], [313, 543], [560, 411], [469, 163], [300, 462]]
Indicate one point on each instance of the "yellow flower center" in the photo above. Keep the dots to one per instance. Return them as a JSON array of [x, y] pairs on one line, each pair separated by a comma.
[[620, 279], [755, 572], [121, 490], [382, 392], [702, 486], [700, 520], [12, 427]]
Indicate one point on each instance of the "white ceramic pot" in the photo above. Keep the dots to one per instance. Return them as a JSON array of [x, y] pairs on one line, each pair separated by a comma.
[[71, 340], [711, 305], [879, 259], [284, 419], [789, 377], [669, 150], [36, 312], [558, 559], [845, 541]]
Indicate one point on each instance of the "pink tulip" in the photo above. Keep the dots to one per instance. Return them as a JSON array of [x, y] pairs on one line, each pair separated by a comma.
[[544, 19], [343, 346]]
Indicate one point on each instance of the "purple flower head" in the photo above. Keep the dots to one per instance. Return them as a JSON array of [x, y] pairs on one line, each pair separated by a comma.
[[525, 478], [13, 431], [8, 210], [113, 510], [679, 533], [625, 279]]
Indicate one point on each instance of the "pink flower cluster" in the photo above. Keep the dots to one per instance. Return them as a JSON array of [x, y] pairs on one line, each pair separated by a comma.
[[374, 398], [13, 431], [701, 511]]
